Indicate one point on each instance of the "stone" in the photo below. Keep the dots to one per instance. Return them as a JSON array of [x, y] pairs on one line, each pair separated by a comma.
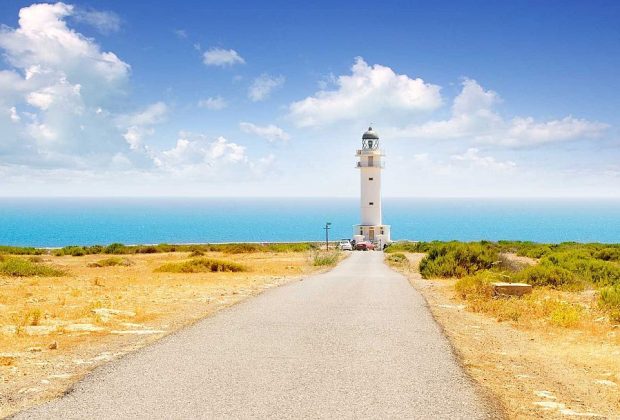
[[39, 329], [111, 312], [82, 327], [511, 289]]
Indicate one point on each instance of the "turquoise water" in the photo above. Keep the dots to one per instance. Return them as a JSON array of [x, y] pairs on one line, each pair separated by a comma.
[[60, 222]]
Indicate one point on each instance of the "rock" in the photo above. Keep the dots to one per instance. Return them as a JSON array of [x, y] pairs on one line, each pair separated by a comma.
[[511, 289], [111, 312], [53, 345], [39, 329], [82, 327], [606, 382]]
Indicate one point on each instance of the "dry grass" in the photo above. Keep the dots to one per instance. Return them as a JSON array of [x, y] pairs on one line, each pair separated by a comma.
[[79, 313], [202, 265], [553, 346]]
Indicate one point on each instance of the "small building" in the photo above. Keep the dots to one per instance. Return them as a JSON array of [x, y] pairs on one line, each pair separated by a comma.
[[370, 163]]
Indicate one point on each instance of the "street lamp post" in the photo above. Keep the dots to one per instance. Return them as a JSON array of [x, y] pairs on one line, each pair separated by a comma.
[[327, 227]]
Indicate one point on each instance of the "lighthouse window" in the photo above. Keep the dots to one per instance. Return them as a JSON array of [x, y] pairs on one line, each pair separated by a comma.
[[370, 179], [371, 204]]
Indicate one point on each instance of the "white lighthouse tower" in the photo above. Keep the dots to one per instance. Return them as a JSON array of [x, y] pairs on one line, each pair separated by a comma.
[[370, 165]]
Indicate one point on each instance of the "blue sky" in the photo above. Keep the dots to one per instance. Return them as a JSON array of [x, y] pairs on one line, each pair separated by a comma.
[[471, 98]]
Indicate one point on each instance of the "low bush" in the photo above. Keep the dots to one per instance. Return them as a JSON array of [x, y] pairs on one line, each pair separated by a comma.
[[115, 248], [397, 258], [196, 253], [477, 285], [609, 300], [585, 267], [565, 315], [455, 259], [201, 265], [551, 276], [325, 258], [19, 267], [16, 250], [111, 262]]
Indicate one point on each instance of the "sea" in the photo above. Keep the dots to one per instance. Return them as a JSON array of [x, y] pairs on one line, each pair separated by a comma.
[[57, 222]]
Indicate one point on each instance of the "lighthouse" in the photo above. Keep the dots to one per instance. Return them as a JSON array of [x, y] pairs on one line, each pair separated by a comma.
[[370, 164]]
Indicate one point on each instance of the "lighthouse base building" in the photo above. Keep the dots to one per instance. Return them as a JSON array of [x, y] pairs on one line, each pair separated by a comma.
[[370, 163]]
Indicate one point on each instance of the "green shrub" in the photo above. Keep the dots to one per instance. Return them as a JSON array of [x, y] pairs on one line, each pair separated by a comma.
[[16, 250], [609, 300], [115, 248], [397, 258], [608, 254], [325, 258], [456, 259], [150, 249], [111, 262], [552, 276], [585, 267], [201, 265], [19, 267]]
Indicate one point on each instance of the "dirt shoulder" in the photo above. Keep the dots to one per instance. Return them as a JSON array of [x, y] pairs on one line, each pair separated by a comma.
[[534, 372], [54, 330]]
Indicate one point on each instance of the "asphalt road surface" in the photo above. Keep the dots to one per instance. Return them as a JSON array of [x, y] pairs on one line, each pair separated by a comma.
[[356, 342]]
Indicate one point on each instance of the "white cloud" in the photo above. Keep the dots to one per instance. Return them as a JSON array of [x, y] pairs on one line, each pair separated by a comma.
[[139, 125], [180, 33], [472, 156], [44, 43], [196, 152], [221, 57], [104, 21], [367, 92], [474, 118], [269, 132], [262, 86], [214, 103]]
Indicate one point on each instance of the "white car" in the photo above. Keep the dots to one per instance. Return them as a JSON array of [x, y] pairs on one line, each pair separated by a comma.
[[345, 245]]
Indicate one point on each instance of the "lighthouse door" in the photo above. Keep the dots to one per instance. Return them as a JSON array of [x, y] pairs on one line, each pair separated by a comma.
[[371, 234]]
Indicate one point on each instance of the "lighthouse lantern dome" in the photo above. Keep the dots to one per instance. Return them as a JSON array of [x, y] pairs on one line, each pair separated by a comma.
[[370, 139]]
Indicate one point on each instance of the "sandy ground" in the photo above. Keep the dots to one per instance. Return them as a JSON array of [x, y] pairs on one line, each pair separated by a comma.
[[98, 314], [533, 372]]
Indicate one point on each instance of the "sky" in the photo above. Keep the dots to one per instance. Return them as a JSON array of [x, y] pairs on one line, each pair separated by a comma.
[[270, 99]]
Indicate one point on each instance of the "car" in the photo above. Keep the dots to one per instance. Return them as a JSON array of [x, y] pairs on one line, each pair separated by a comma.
[[345, 245], [365, 246]]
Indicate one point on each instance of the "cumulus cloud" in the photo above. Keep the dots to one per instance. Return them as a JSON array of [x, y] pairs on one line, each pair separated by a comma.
[[270, 132], [474, 117], [140, 124], [221, 57], [472, 156], [104, 21], [262, 86], [214, 103], [365, 93]]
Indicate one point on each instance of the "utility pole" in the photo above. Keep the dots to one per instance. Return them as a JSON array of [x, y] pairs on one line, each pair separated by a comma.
[[327, 225]]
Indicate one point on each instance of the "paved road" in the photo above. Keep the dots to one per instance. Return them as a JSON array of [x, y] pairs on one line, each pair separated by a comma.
[[357, 342]]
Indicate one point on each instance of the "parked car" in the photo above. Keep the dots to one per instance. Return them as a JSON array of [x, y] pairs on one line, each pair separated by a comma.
[[365, 246], [345, 245]]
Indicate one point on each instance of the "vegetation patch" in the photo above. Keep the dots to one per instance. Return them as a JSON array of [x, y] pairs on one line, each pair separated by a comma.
[[550, 275], [397, 258], [20, 267], [609, 300], [325, 258], [455, 259], [111, 262], [201, 265]]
